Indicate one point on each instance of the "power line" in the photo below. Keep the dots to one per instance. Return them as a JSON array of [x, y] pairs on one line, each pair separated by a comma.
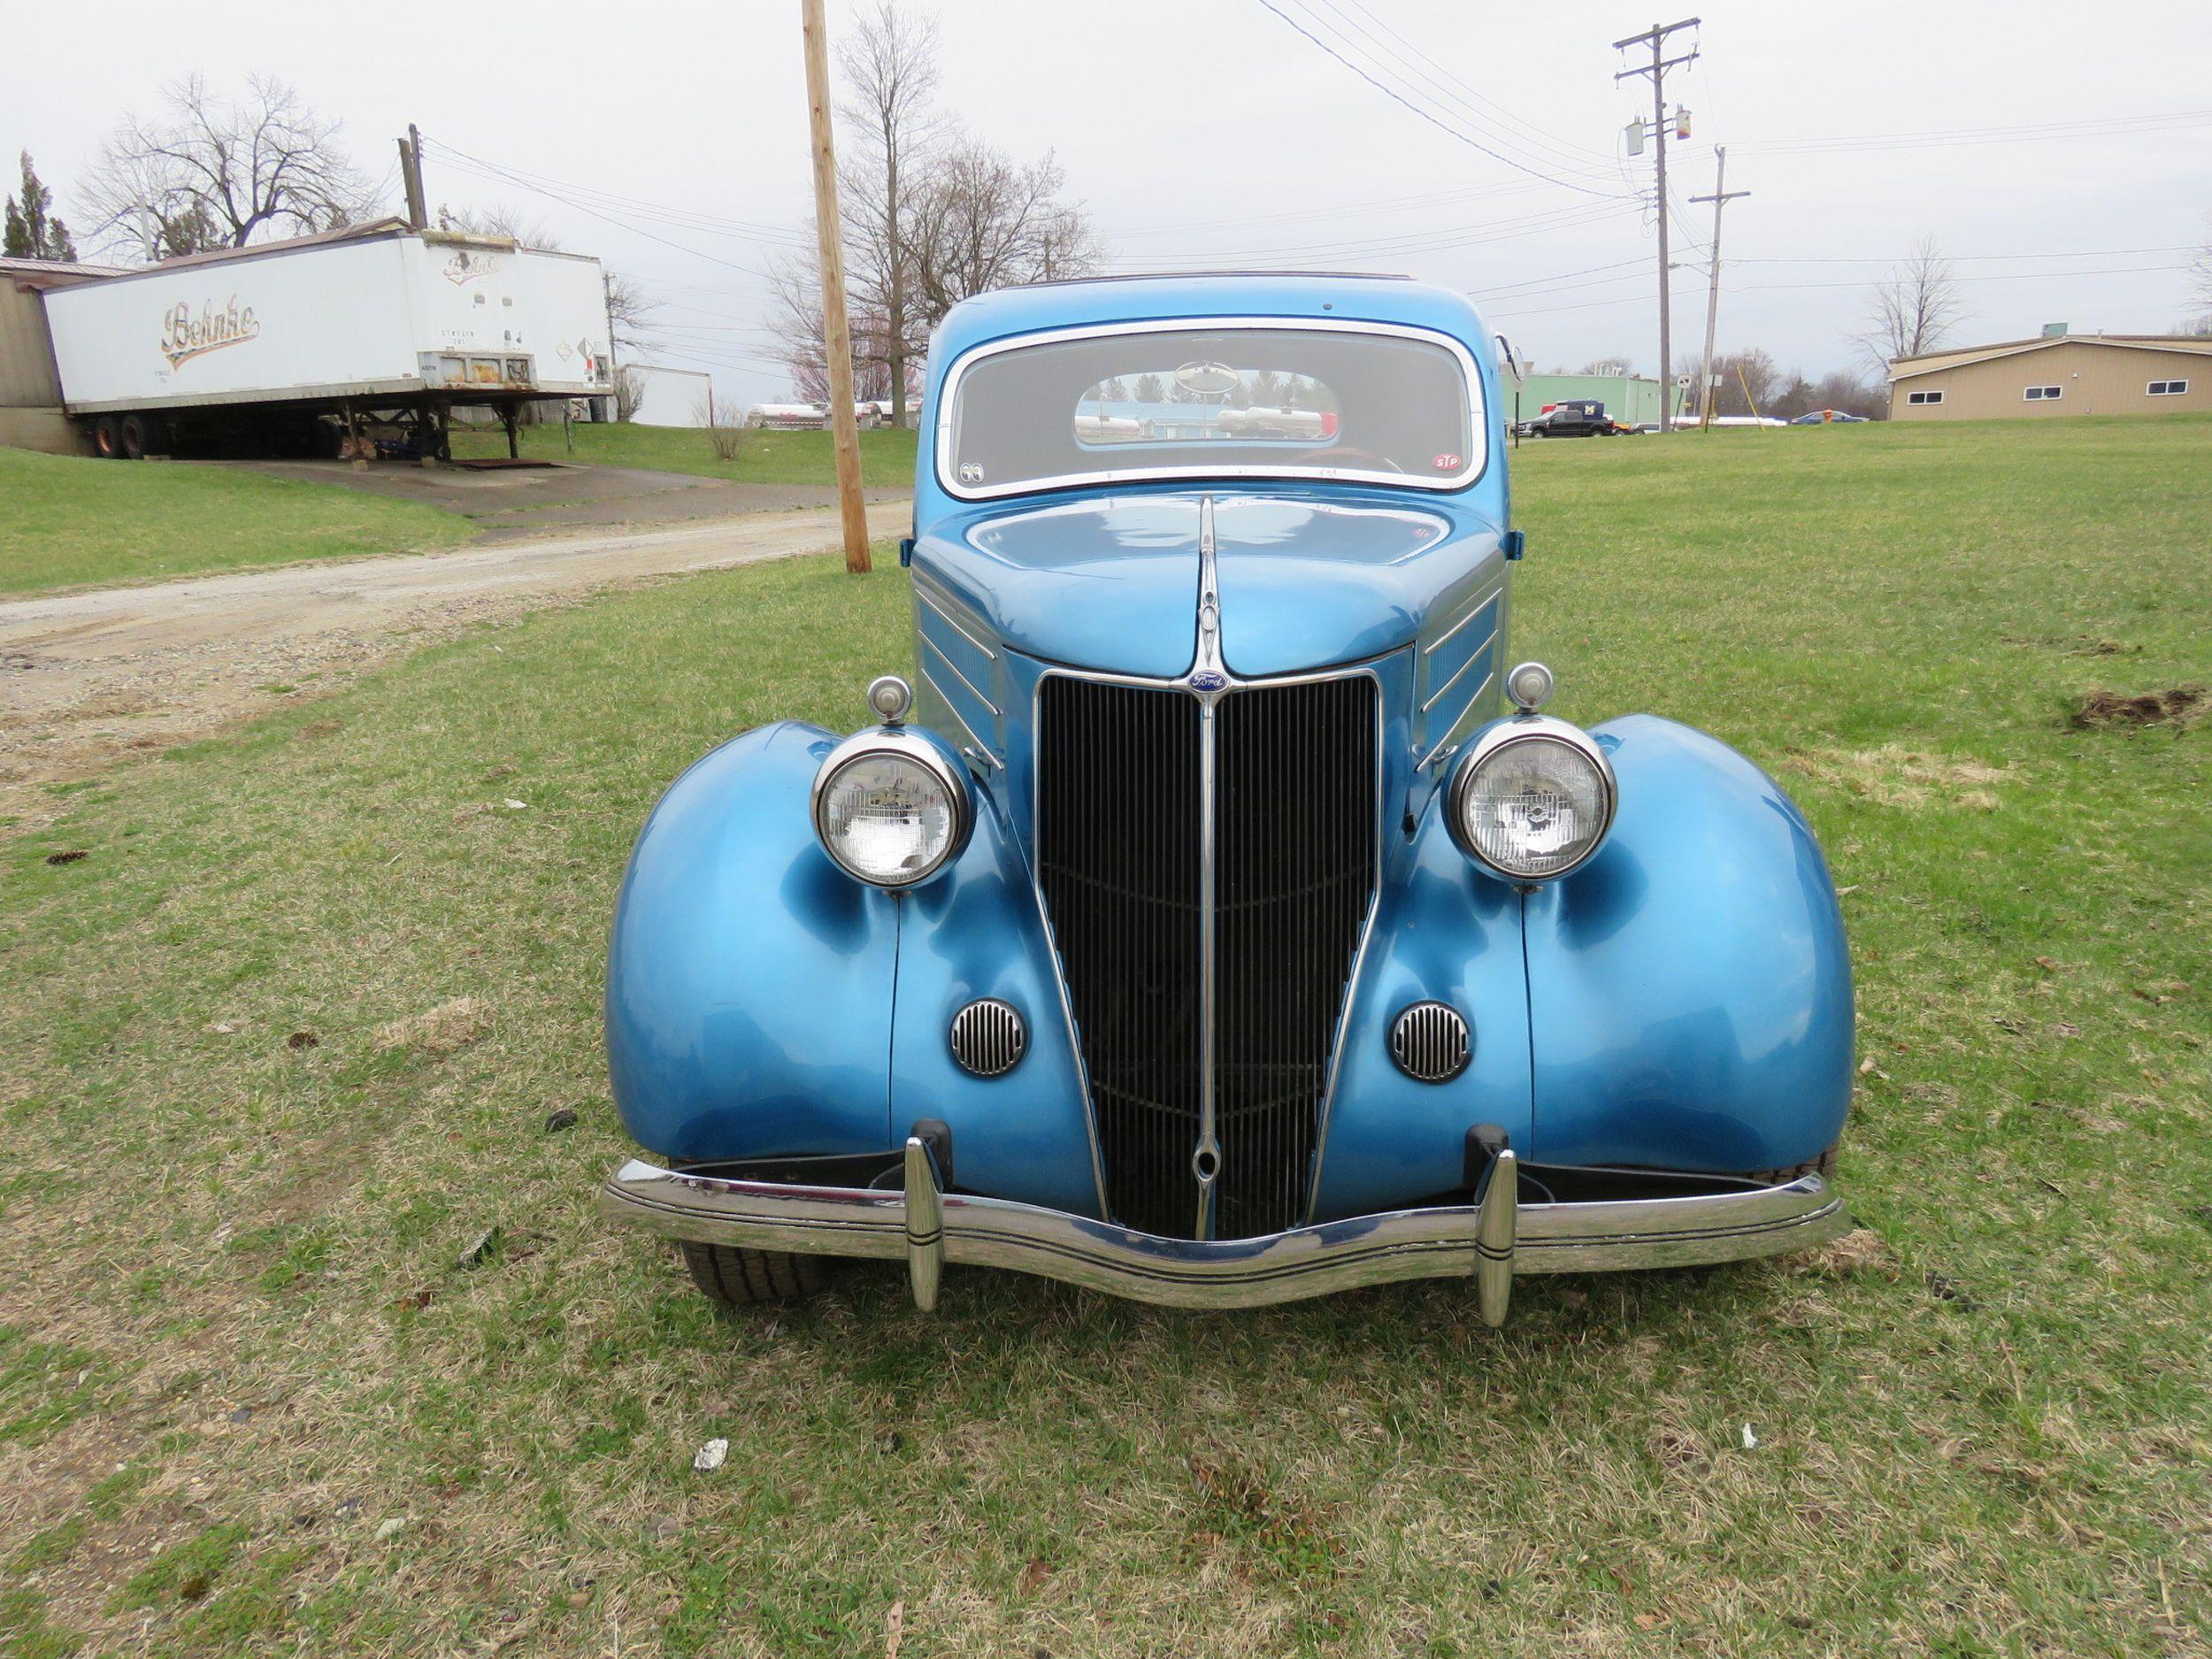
[[2032, 132], [1434, 240], [1987, 276], [493, 171], [1467, 104], [1961, 258], [1348, 209], [1752, 287], [1436, 121], [545, 184]]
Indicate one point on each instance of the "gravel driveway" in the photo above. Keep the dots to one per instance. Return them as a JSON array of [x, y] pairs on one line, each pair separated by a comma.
[[89, 679]]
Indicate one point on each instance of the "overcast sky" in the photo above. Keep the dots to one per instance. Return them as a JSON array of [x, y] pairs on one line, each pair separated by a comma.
[[1215, 132]]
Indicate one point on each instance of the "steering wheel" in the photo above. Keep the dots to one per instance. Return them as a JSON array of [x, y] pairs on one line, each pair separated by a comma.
[[1345, 452]]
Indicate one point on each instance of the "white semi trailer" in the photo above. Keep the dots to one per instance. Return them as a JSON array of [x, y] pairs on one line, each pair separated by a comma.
[[302, 346]]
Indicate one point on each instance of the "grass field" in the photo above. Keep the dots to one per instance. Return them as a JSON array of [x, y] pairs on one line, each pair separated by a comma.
[[71, 521], [887, 458], [281, 1045]]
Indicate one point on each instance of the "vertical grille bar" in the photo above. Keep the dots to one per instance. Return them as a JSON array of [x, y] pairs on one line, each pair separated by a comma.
[[1119, 827]]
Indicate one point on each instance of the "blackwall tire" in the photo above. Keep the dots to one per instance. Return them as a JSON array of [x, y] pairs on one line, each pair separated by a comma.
[[132, 433], [750, 1278], [107, 438], [1823, 1166]]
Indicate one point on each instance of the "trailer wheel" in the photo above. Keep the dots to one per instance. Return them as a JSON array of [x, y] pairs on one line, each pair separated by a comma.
[[107, 437], [134, 436]]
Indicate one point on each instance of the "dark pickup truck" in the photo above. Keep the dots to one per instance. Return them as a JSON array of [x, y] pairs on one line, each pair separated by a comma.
[[1579, 417]]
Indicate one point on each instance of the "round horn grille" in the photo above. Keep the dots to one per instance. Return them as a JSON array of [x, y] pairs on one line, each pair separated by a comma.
[[989, 1038], [1430, 1042]]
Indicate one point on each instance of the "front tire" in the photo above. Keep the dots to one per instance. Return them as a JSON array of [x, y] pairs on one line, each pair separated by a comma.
[[739, 1277], [1823, 1166]]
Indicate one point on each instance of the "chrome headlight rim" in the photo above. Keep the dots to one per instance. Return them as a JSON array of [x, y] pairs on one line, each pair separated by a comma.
[[1529, 728], [906, 745]]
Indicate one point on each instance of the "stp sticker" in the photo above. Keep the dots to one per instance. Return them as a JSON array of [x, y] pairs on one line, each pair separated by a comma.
[[1447, 462]]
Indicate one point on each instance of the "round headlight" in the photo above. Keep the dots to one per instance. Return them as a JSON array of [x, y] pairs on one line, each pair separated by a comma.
[[889, 808], [1532, 799]]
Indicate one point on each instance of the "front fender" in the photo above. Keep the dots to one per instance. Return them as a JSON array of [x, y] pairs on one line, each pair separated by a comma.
[[750, 980], [977, 931], [1689, 988], [1441, 932], [762, 1002]]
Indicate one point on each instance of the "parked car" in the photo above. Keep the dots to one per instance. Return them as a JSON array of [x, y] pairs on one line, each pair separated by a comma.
[[1828, 417], [1219, 919], [1578, 418]]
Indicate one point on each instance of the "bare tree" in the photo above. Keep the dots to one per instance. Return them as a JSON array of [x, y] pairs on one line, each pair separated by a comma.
[[1607, 366], [930, 217], [499, 220], [984, 222], [630, 314], [1850, 394], [2201, 281], [795, 290], [629, 392], [889, 66], [1749, 383], [211, 170], [1913, 309]]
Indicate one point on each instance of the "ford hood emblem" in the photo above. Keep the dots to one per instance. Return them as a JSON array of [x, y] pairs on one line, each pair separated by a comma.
[[1207, 680]]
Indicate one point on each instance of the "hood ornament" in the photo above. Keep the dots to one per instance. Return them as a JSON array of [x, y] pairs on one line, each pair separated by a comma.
[[1208, 679]]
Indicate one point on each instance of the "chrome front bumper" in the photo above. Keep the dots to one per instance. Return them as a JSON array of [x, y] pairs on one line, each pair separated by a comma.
[[1492, 1240]]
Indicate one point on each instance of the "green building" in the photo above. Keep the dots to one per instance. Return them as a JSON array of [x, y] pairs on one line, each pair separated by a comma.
[[1627, 397]]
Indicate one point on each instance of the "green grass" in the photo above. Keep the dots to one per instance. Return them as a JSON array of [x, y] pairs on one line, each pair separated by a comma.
[[1985, 1430], [887, 458], [71, 522]]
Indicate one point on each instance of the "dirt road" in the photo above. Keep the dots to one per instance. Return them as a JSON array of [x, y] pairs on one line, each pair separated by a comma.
[[89, 679]]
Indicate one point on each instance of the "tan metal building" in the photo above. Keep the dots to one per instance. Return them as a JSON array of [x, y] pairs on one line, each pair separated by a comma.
[[30, 387], [2054, 375]]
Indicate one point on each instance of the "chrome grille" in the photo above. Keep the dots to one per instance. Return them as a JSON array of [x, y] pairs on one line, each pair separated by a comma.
[[1429, 1044], [1120, 854], [989, 1038]]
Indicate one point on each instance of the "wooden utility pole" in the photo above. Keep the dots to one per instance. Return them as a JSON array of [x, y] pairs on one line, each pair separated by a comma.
[[837, 334], [1721, 197], [1654, 37], [410, 178]]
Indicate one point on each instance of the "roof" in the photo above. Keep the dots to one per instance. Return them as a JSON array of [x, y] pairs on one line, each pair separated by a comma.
[[345, 233], [1930, 361], [1316, 295], [1157, 276], [46, 273]]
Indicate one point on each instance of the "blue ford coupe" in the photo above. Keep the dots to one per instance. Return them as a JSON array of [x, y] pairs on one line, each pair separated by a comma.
[[1214, 917]]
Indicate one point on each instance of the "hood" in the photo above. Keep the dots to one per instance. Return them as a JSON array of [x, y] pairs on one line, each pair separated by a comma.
[[1112, 584]]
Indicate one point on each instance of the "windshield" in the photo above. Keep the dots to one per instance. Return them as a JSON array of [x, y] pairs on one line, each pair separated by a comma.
[[1347, 400]]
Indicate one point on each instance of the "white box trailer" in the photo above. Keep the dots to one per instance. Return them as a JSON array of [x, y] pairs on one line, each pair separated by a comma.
[[305, 339], [668, 397]]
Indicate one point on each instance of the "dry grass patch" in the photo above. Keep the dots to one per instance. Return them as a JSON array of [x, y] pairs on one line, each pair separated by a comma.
[[441, 1030], [1895, 775]]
